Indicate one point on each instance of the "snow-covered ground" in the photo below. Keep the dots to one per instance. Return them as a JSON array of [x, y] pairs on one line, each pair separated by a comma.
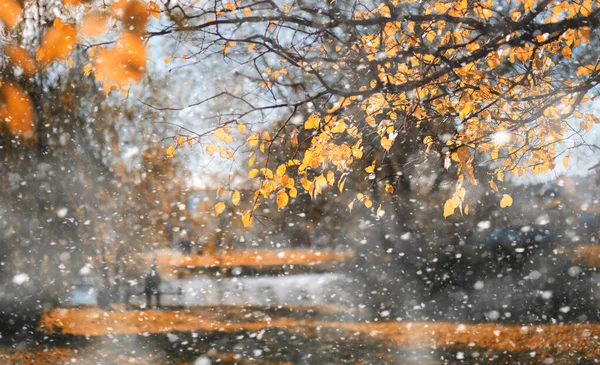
[[303, 289]]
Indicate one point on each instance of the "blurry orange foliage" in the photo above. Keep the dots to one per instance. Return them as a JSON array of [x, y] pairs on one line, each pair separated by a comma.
[[21, 58], [58, 43], [123, 64], [9, 12], [16, 111], [93, 24], [134, 15]]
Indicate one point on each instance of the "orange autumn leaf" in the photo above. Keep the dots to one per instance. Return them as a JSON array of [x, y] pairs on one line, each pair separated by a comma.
[[58, 43], [154, 9], [16, 111], [123, 64], [235, 198], [20, 57], [282, 199], [247, 218], [135, 16], [219, 208], [9, 12], [93, 24]]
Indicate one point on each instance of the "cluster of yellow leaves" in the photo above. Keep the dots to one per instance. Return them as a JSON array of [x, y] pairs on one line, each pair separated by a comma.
[[178, 142], [456, 202], [486, 100]]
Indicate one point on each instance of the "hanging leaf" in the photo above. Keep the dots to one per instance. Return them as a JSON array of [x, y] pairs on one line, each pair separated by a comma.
[[282, 199], [506, 201], [312, 122], [565, 161], [235, 198], [448, 208], [58, 43], [219, 208], [171, 151], [247, 218]]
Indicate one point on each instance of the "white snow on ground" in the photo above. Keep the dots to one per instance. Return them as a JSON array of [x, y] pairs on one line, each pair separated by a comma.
[[307, 289]]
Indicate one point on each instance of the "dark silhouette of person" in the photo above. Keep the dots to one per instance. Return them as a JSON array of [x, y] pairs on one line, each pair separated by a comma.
[[151, 286]]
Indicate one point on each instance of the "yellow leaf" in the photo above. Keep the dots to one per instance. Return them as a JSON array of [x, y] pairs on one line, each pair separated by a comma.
[[493, 185], [467, 209], [235, 198], [341, 183], [386, 143], [506, 201], [371, 169], [312, 122], [219, 208], [87, 69], [584, 70], [293, 192], [251, 46], [241, 128], [385, 11], [280, 170], [339, 127], [252, 174], [247, 12], [247, 218], [368, 203], [351, 205], [210, 149], [566, 161], [171, 151], [251, 160], [330, 178], [167, 60], [567, 52], [379, 212], [282, 199], [253, 140], [389, 188], [448, 208]]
